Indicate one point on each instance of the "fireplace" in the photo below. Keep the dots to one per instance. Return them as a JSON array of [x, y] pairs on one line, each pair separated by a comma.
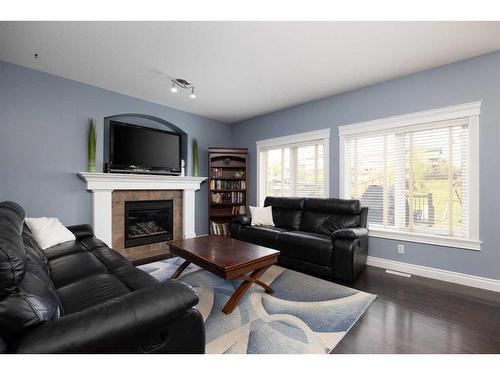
[[148, 222]]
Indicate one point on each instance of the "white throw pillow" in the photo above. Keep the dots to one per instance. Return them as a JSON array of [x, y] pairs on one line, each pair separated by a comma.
[[262, 215], [48, 231]]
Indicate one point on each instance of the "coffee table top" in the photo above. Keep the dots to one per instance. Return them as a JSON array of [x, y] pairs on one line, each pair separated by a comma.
[[224, 256]]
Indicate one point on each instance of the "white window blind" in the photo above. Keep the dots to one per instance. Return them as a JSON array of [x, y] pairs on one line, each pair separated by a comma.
[[418, 173], [293, 170], [413, 180]]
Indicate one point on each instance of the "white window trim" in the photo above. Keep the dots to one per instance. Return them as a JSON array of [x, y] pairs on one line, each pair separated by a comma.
[[315, 135], [414, 121]]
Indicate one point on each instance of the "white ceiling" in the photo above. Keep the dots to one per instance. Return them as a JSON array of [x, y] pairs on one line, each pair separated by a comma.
[[241, 69]]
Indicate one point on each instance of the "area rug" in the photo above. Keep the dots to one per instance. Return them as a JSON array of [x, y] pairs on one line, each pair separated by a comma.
[[303, 315]]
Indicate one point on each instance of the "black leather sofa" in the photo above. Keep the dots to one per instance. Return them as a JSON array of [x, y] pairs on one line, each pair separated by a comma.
[[83, 297], [326, 237]]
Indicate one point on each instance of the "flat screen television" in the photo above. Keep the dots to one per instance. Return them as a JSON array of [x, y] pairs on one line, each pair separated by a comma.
[[139, 149]]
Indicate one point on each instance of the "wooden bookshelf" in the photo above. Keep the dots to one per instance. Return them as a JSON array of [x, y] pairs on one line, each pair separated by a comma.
[[227, 187]]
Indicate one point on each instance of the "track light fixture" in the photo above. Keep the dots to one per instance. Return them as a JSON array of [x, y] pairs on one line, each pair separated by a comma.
[[173, 88], [179, 83]]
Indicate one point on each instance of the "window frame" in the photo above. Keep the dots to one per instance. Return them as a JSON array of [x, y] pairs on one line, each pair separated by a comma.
[[416, 121], [292, 140]]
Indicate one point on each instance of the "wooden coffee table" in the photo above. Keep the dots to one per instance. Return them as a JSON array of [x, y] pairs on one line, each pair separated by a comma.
[[227, 258]]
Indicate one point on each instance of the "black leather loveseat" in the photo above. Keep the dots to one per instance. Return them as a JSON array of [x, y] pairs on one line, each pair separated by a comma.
[[327, 237], [83, 297]]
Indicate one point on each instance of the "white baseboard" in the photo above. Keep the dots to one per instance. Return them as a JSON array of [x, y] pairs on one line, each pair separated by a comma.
[[436, 273]]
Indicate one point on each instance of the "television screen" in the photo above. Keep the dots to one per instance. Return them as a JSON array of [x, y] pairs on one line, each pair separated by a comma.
[[134, 146]]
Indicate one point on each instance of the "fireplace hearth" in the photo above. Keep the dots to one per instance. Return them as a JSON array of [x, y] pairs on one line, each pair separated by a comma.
[[148, 222]]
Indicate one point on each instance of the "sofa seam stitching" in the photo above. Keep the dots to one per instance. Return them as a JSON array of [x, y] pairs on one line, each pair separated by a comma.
[[10, 262]]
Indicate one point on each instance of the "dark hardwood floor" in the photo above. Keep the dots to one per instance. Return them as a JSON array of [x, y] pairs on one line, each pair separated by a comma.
[[420, 315]]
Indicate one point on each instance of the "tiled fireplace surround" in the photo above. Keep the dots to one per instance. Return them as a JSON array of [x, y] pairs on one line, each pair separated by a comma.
[[111, 191], [118, 220]]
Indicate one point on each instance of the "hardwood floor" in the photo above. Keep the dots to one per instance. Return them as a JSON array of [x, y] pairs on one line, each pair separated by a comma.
[[420, 315]]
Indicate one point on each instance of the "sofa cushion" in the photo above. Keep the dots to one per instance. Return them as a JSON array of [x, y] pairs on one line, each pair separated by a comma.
[[90, 291], [333, 206], [260, 235], [33, 302], [73, 267], [110, 258], [305, 266], [88, 273], [12, 253], [287, 212], [261, 215], [27, 294], [116, 264], [325, 223], [66, 248], [48, 231], [311, 247], [325, 216], [133, 278], [34, 250]]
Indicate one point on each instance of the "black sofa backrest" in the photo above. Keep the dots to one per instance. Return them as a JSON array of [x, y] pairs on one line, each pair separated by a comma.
[[27, 294], [325, 216], [316, 215], [287, 212], [12, 254]]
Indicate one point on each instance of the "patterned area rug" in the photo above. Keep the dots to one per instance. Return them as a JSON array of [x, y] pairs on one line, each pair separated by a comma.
[[303, 315]]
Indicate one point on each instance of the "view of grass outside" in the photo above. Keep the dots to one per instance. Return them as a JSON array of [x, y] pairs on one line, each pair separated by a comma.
[[439, 190]]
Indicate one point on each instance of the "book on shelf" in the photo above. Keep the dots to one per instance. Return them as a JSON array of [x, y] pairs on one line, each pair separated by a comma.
[[220, 173], [228, 197], [227, 185], [238, 210], [219, 229]]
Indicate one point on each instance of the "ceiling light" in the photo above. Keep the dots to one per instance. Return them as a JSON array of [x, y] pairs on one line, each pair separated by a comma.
[[181, 83], [173, 88]]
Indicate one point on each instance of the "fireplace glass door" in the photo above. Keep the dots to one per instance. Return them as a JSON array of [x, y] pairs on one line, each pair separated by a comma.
[[148, 222]]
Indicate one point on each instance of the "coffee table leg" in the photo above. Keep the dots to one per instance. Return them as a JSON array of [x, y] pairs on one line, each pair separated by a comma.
[[247, 282], [179, 270], [266, 287]]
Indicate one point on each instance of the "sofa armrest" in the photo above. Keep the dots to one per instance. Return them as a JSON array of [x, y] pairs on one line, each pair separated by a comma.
[[363, 217], [237, 223], [349, 233], [124, 324], [242, 220], [350, 251], [82, 231]]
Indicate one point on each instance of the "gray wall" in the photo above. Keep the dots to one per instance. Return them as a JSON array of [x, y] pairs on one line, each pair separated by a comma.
[[461, 82], [43, 128]]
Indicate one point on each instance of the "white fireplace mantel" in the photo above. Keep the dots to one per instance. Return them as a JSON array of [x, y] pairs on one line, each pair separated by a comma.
[[103, 184]]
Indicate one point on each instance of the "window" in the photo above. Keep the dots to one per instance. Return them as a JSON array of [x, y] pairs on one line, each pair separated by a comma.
[[417, 174], [294, 166]]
